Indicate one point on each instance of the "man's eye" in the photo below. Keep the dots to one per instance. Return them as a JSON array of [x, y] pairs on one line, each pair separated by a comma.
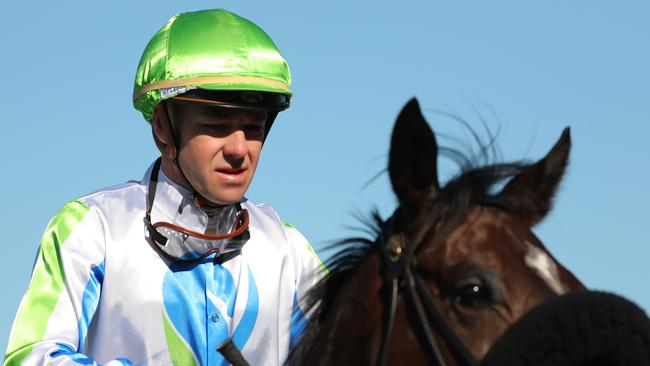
[[215, 127]]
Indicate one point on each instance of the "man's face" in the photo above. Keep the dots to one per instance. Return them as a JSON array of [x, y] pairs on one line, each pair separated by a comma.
[[218, 148]]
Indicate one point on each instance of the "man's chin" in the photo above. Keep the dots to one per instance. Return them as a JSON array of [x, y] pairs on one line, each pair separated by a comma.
[[219, 200], [228, 195]]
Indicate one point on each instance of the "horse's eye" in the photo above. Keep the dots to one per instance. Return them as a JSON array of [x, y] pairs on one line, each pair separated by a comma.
[[475, 294]]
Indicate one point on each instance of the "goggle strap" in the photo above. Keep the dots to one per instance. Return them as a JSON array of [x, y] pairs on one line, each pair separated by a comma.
[[240, 226], [233, 247], [157, 237], [153, 184]]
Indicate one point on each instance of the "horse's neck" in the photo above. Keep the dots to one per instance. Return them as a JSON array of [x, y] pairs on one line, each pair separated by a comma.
[[350, 331]]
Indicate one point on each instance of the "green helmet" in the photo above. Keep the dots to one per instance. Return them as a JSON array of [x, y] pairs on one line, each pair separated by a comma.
[[214, 51]]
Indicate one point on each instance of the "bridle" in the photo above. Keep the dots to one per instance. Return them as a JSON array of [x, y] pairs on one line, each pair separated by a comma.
[[398, 272]]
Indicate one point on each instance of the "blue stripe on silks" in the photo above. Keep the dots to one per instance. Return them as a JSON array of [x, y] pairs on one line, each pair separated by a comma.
[[68, 351], [298, 323], [90, 300], [248, 320], [185, 289]]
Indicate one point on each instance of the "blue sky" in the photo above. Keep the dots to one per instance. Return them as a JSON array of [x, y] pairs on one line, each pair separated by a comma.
[[528, 69]]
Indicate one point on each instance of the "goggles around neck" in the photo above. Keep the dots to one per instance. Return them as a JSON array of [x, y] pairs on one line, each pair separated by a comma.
[[180, 244]]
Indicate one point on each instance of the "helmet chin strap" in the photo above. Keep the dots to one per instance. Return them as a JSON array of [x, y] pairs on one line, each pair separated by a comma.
[[271, 115], [176, 161]]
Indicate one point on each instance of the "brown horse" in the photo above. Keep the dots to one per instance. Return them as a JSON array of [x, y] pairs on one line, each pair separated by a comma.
[[452, 268]]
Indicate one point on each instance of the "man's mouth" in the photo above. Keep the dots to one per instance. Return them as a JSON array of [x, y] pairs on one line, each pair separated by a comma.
[[232, 175], [233, 171]]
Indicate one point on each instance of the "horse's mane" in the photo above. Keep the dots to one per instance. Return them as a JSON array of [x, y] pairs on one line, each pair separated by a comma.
[[475, 184]]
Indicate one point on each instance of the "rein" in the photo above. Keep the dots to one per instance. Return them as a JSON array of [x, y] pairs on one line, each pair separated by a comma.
[[397, 269]]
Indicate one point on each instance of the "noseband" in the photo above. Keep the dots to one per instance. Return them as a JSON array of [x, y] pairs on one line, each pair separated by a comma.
[[398, 271]]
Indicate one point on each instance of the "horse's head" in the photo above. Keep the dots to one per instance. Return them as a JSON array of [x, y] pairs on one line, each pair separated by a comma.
[[479, 259], [462, 251]]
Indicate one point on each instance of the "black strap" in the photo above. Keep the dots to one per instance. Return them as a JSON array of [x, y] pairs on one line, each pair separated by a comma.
[[455, 344], [397, 268], [391, 271], [423, 321], [231, 353], [389, 320], [157, 237]]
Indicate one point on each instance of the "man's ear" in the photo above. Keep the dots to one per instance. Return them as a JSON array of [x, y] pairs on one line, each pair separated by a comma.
[[162, 133]]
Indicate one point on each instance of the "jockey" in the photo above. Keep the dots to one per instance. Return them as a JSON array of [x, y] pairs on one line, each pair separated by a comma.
[[163, 270]]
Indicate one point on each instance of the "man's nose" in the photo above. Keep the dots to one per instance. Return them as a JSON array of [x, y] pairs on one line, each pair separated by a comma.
[[236, 146]]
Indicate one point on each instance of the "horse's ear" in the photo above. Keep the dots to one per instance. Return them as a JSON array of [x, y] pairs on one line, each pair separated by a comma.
[[412, 163], [531, 192]]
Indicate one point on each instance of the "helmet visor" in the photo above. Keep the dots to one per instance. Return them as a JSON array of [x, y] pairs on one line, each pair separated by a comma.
[[245, 99]]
